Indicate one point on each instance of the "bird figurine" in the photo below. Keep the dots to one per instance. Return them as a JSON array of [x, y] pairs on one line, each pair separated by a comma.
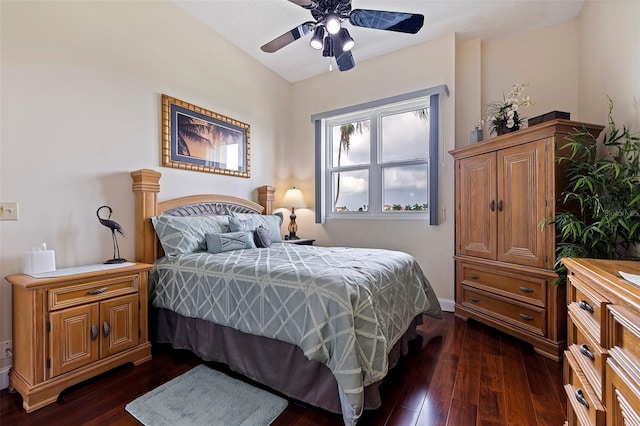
[[115, 227]]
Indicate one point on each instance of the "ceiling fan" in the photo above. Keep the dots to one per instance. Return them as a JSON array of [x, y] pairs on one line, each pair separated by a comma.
[[333, 39]]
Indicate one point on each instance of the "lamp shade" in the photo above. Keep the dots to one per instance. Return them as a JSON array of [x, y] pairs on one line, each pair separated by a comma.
[[293, 198]]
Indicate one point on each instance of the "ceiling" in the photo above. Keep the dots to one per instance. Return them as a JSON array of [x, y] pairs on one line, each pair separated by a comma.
[[248, 24]]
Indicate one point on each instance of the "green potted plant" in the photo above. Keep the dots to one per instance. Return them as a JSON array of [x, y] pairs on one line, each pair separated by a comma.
[[603, 196]]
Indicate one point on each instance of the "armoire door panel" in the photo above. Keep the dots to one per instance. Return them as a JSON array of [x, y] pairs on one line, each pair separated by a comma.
[[521, 193], [477, 206]]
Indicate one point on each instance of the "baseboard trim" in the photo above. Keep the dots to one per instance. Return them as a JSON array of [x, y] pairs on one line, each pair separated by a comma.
[[447, 305], [4, 377]]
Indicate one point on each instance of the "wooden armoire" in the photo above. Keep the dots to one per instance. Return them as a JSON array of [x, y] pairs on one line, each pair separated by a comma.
[[505, 188]]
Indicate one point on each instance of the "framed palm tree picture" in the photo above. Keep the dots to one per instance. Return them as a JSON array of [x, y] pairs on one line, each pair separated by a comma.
[[194, 138]]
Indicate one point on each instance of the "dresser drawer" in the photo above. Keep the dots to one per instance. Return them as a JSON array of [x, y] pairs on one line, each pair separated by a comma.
[[506, 283], [589, 307], [516, 313], [622, 393], [588, 353], [76, 294], [581, 398]]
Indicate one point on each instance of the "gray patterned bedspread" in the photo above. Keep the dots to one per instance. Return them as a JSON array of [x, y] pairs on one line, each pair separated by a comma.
[[344, 307]]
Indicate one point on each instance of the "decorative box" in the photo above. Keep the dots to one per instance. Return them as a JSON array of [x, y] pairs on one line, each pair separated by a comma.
[[549, 116]]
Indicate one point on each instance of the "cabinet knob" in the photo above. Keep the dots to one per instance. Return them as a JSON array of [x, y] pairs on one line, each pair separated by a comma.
[[492, 205], [500, 205], [94, 332], [585, 306], [106, 329], [584, 350], [581, 399]]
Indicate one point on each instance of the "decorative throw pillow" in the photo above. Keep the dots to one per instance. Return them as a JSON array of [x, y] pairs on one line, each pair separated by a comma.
[[272, 222], [241, 225], [262, 237], [179, 235], [219, 242]]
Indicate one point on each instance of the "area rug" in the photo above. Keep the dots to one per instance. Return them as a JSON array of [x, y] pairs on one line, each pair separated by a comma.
[[203, 396]]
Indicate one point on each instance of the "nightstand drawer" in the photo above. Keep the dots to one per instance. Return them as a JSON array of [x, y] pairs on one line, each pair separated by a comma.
[[516, 313], [64, 297], [507, 283]]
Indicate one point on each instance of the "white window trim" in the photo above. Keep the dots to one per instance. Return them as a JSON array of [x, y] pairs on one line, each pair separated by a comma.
[[405, 102]]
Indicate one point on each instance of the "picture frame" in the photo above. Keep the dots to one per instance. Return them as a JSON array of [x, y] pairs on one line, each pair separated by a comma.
[[194, 138]]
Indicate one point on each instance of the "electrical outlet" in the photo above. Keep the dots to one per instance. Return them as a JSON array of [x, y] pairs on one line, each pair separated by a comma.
[[9, 210], [4, 346]]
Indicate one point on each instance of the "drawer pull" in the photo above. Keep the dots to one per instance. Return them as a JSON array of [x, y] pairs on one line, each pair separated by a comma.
[[526, 289], [581, 399], [106, 329], [474, 276], [97, 290], [474, 299], [584, 350], [585, 306], [94, 332], [526, 317]]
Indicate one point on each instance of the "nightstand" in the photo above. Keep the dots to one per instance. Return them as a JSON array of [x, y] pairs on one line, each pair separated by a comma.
[[301, 241], [75, 324]]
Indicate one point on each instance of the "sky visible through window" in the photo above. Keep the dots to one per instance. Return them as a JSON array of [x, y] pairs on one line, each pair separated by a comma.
[[404, 138]]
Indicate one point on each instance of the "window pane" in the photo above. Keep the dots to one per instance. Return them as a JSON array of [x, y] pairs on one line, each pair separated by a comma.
[[350, 191], [350, 144], [405, 188], [405, 136]]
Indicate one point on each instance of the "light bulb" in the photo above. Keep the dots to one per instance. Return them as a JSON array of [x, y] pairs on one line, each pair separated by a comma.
[[318, 36], [332, 23]]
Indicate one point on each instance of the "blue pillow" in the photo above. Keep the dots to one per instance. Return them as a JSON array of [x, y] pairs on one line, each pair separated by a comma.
[[219, 242], [272, 222], [262, 237], [180, 235], [246, 226]]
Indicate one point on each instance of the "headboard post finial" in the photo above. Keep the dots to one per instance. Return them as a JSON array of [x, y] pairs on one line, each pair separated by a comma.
[[266, 197], [146, 186]]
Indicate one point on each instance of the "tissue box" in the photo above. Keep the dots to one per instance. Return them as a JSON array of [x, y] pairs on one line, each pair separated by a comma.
[[37, 262]]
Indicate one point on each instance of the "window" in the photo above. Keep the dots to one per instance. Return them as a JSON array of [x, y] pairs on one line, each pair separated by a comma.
[[379, 160]]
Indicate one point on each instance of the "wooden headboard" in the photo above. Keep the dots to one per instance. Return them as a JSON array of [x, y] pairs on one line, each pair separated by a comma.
[[146, 187]]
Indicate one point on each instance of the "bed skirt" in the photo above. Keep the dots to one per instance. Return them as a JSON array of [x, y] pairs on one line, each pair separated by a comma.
[[278, 365]]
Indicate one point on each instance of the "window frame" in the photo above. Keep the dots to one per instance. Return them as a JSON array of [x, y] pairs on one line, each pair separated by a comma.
[[374, 111]]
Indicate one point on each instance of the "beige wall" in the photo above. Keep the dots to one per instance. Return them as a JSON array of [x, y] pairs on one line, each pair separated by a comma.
[[419, 67], [81, 87], [610, 62]]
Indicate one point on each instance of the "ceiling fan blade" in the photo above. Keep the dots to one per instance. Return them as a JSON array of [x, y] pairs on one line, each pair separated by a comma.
[[345, 61], [307, 4], [392, 21], [288, 37]]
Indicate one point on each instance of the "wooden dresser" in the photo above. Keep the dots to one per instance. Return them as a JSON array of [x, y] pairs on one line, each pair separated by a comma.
[[505, 188], [602, 362], [70, 328]]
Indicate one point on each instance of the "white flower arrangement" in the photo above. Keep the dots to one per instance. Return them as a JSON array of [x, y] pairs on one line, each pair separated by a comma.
[[503, 115]]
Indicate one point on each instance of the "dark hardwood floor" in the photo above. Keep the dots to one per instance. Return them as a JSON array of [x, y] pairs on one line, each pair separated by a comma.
[[456, 374]]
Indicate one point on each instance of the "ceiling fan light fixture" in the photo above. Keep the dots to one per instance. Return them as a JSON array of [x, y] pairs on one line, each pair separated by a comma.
[[332, 22], [328, 47], [345, 40], [317, 38]]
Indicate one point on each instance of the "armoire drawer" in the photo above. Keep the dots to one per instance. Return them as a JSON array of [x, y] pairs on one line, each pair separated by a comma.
[[506, 283], [529, 317]]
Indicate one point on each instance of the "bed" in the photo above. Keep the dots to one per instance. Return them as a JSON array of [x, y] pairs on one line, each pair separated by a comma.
[[322, 325]]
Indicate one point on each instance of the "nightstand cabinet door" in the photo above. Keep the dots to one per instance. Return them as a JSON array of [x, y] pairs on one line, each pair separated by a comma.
[[71, 341], [119, 324]]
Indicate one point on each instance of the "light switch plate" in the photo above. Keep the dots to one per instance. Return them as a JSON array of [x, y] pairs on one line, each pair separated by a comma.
[[9, 210]]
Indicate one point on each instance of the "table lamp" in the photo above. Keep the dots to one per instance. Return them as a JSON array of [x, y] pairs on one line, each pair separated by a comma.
[[293, 199]]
